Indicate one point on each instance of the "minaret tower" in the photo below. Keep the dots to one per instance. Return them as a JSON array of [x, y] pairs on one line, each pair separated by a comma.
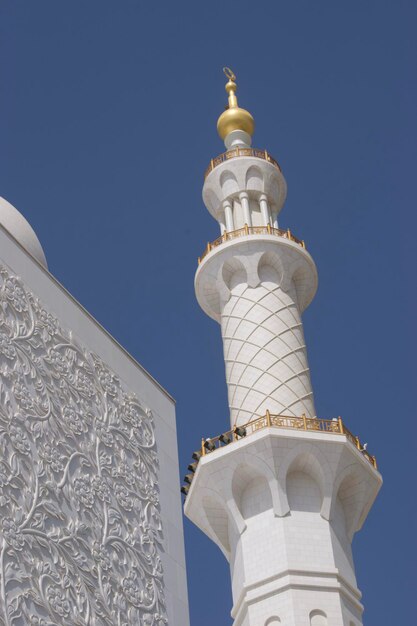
[[282, 492]]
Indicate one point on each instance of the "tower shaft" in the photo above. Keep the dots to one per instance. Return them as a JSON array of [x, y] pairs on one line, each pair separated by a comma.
[[264, 349]]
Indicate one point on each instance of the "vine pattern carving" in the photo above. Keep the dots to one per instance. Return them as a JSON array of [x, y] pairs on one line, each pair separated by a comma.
[[80, 526]]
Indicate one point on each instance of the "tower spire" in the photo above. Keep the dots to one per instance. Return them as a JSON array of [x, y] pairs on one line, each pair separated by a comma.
[[231, 87], [235, 125]]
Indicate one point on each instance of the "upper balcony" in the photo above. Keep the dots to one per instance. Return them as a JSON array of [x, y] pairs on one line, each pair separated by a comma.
[[240, 152], [244, 179]]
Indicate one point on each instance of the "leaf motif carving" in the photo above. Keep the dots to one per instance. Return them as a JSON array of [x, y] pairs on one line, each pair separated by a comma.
[[80, 526]]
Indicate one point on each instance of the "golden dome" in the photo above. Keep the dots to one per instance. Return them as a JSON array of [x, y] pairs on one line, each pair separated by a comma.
[[234, 118]]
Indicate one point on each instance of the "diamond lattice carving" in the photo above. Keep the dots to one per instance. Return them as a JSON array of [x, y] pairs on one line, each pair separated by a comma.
[[265, 353]]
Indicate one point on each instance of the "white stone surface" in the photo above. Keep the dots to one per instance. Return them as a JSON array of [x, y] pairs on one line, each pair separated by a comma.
[[21, 230], [251, 175], [91, 527], [237, 138], [256, 287], [264, 351], [283, 506]]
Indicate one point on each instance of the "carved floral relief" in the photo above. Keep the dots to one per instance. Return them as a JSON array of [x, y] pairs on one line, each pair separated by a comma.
[[80, 527]]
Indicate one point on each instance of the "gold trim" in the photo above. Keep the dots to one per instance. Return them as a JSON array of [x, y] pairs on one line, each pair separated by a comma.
[[250, 230], [241, 152], [310, 424]]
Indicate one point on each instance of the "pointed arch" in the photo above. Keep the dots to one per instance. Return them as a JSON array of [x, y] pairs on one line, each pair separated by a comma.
[[254, 179], [228, 184], [217, 521], [350, 489], [318, 618], [308, 458]]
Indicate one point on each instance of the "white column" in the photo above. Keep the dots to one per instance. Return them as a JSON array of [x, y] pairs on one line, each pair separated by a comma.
[[244, 200], [264, 209], [228, 214], [275, 220], [222, 224]]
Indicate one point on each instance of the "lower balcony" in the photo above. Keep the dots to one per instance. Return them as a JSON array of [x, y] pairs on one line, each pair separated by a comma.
[[334, 426]]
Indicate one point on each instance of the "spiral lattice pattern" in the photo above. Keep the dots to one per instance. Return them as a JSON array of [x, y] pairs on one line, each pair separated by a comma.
[[265, 352]]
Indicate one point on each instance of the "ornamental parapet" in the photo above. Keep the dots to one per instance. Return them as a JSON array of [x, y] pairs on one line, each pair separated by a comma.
[[312, 424], [334, 426], [250, 230], [240, 152]]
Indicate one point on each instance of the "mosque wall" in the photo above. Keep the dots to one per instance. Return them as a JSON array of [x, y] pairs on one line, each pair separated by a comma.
[[90, 517]]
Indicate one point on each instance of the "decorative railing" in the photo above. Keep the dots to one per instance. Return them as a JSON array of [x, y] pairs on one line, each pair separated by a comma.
[[311, 424], [250, 230], [240, 152]]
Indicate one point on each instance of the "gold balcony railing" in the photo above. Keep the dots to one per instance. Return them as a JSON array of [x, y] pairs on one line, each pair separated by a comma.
[[332, 427], [250, 230], [240, 152]]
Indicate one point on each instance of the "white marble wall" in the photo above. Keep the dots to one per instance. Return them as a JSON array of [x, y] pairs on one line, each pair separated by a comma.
[[90, 518], [283, 507]]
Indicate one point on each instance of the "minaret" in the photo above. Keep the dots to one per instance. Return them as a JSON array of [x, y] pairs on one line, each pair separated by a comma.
[[282, 492]]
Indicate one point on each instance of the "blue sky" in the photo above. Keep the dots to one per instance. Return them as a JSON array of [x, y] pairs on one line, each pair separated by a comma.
[[107, 122]]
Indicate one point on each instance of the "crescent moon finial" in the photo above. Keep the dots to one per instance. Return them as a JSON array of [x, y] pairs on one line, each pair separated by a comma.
[[229, 74]]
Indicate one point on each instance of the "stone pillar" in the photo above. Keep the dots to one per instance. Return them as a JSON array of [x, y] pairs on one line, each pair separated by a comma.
[[228, 213], [263, 203], [244, 200]]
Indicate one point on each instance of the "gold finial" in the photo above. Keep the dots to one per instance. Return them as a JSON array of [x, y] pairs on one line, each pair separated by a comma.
[[229, 74], [234, 118], [231, 87]]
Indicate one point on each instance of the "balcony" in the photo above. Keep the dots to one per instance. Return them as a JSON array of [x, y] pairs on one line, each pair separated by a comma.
[[331, 427], [240, 152], [250, 230]]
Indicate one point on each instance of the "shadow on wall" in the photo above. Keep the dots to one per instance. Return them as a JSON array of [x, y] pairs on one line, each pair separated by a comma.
[[318, 618]]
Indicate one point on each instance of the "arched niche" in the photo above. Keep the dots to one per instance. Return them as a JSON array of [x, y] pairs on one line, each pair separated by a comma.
[[228, 183], [318, 618], [218, 520], [251, 491], [273, 621], [274, 193], [305, 483], [270, 261], [254, 179], [256, 498], [233, 273], [301, 281], [350, 496], [211, 199], [303, 492], [268, 274], [309, 459]]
